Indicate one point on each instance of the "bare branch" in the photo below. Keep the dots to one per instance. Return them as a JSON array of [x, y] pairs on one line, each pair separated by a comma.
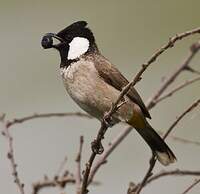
[[10, 155], [173, 172], [78, 173], [59, 181], [176, 89], [191, 186], [177, 172], [185, 65], [180, 139], [46, 115], [189, 109], [183, 140], [113, 109], [190, 69], [61, 167]]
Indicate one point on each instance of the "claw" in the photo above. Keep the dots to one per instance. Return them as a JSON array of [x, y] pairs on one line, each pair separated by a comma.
[[97, 147], [108, 120]]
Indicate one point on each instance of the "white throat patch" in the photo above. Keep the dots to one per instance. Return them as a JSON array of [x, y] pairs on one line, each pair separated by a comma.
[[77, 47]]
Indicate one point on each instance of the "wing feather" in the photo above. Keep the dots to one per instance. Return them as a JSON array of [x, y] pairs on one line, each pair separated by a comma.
[[112, 76]]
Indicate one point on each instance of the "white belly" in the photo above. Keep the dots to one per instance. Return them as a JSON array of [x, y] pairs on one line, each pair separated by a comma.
[[83, 84], [87, 89], [78, 80]]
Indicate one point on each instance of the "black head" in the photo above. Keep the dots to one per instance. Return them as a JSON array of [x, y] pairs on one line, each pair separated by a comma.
[[74, 41]]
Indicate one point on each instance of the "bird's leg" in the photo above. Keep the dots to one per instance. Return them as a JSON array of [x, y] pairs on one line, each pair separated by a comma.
[[96, 145]]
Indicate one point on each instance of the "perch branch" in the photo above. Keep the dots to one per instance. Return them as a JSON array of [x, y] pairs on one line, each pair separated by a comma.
[[112, 145]]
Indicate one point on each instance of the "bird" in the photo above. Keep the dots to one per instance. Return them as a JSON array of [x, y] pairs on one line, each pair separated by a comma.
[[94, 83]]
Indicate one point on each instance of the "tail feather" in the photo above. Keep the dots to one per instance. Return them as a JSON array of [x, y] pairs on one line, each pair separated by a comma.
[[164, 154]]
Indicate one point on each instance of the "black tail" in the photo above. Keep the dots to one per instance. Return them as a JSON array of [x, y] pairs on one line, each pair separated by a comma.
[[158, 146]]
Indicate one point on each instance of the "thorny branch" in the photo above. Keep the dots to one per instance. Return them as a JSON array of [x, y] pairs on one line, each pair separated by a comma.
[[107, 117]]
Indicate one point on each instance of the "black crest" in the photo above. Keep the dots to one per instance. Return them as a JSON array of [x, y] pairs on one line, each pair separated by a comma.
[[77, 29]]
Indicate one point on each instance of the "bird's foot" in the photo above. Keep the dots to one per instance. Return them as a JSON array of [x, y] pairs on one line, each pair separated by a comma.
[[108, 120], [97, 147]]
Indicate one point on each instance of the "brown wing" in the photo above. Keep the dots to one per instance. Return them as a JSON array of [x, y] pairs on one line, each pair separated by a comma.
[[112, 76]]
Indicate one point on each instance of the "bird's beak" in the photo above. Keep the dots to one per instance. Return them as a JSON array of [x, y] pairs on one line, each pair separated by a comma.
[[47, 41]]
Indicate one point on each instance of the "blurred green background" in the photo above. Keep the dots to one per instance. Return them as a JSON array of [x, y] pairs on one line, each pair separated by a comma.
[[127, 32]]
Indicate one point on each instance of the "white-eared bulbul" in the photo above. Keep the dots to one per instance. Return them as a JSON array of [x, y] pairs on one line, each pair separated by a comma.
[[95, 83]]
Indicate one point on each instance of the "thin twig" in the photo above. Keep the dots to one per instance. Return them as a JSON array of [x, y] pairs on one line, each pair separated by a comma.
[[61, 167], [183, 140], [78, 173], [173, 172], [189, 109], [176, 89], [191, 186], [11, 157], [59, 181], [185, 65], [46, 115]]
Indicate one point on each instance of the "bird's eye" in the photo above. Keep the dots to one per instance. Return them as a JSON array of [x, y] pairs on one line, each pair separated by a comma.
[[47, 41]]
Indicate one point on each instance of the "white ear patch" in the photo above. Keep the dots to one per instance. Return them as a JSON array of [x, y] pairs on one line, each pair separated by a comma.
[[77, 47]]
